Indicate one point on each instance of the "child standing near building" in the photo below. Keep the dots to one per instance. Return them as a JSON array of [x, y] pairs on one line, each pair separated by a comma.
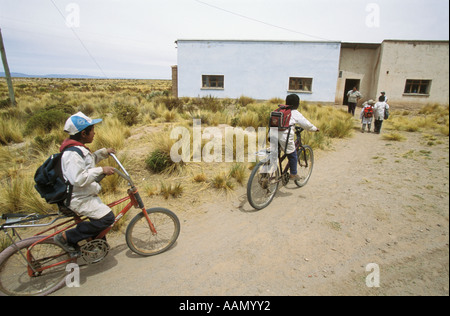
[[367, 115], [380, 109]]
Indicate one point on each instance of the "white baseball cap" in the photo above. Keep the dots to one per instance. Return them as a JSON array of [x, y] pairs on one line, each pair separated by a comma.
[[78, 122]]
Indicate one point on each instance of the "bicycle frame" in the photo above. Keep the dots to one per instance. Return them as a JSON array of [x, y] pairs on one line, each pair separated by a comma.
[[133, 197], [298, 145]]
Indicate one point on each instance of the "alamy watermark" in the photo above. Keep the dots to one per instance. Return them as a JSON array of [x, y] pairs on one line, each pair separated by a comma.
[[373, 278], [217, 143], [73, 15], [73, 276], [373, 18]]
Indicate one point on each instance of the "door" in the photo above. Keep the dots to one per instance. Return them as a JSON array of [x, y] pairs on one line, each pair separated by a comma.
[[349, 84]]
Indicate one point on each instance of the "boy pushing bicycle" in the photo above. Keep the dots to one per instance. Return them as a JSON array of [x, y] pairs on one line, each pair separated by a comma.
[[293, 101]]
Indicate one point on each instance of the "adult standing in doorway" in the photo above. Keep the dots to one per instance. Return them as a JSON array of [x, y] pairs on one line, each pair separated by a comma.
[[353, 97]]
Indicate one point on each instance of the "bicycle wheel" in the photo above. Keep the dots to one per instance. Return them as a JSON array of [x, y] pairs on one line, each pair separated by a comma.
[[142, 241], [305, 165], [14, 278], [262, 185]]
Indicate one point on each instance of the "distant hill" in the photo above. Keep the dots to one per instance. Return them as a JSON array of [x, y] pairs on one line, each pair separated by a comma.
[[21, 75]]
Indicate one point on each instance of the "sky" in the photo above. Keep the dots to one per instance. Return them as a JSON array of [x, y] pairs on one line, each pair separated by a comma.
[[136, 38]]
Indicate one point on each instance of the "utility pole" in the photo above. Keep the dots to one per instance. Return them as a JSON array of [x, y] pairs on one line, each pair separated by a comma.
[[7, 73]]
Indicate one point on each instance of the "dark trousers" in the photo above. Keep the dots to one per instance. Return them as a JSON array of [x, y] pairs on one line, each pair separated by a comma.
[[378, 124], [88, 229], [351, 108], [293, 159]]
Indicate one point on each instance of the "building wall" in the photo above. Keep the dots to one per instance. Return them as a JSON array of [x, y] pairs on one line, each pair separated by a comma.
[[261, 69], [258, 69], [357, 61], [402, 60]]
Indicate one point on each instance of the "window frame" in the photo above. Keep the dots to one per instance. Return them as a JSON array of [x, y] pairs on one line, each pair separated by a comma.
[[218, 79], [300, 84], [423, 87]]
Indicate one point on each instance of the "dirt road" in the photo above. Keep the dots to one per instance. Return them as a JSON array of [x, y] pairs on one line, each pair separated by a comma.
[[368, 201]]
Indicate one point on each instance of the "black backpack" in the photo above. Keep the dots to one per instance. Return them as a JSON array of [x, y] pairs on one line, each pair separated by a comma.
[[50, 182]]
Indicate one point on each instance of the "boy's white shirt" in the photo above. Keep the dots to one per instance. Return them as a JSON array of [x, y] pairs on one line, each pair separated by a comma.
[[378, 110], [296, 118], [81, 173]]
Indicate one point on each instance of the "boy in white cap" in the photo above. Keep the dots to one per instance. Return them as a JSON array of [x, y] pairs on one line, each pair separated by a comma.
[[81, 172]]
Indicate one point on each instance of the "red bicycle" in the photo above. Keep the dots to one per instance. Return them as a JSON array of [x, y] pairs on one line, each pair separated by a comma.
[[37, 265]]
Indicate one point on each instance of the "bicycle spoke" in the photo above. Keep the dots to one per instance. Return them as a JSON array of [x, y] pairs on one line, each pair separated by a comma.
[[305, 165], [14, 277], [262, 186], [143, 241]]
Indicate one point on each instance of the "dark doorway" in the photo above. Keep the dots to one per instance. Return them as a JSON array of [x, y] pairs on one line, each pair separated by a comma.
[[349, 84]]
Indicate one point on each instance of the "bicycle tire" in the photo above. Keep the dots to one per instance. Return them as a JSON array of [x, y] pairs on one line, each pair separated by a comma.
[[305, 165], [142, 241], [14, 278], [260, 192]]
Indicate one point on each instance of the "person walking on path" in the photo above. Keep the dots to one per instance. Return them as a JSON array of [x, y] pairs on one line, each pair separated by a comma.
[[380, 109], [367, 115]]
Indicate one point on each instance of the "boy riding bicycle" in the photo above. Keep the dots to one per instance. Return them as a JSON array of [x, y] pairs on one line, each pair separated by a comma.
[[81, 172], [293, 101]]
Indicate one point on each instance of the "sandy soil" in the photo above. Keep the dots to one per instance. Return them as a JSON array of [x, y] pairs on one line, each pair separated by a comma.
[[368, 201]]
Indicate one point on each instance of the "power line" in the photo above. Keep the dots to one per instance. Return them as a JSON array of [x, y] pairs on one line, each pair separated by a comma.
[[259, 21], [81, 42]]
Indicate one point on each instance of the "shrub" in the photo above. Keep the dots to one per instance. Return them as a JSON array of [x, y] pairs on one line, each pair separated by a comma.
[[201, 177], [9, 132], [169, 190], [394, 137], [126, 113], [171, 103], [238, 171], [18, 194], [336, 124], [46, 120], [211, 103], [222, 181], [5, 103], [111, 133], [158, 161], [244, 101]]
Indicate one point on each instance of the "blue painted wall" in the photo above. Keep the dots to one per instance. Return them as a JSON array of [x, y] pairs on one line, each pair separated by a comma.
[[258, 69]]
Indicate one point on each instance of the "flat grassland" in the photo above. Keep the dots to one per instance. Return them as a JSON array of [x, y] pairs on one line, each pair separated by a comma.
[[373, 200]]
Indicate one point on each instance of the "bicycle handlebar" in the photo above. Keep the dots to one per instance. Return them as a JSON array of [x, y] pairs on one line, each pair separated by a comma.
[[123, 174], [126, 177]]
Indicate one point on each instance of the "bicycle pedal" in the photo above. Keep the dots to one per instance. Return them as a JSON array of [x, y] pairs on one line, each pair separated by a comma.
[[76, 254]]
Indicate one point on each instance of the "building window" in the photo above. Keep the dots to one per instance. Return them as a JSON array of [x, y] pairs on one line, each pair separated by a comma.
[[300, 84], [213, 82], [417, 86]]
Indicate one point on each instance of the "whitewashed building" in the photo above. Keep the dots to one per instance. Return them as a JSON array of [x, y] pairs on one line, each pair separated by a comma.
[[258, 69], [411, 73]]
